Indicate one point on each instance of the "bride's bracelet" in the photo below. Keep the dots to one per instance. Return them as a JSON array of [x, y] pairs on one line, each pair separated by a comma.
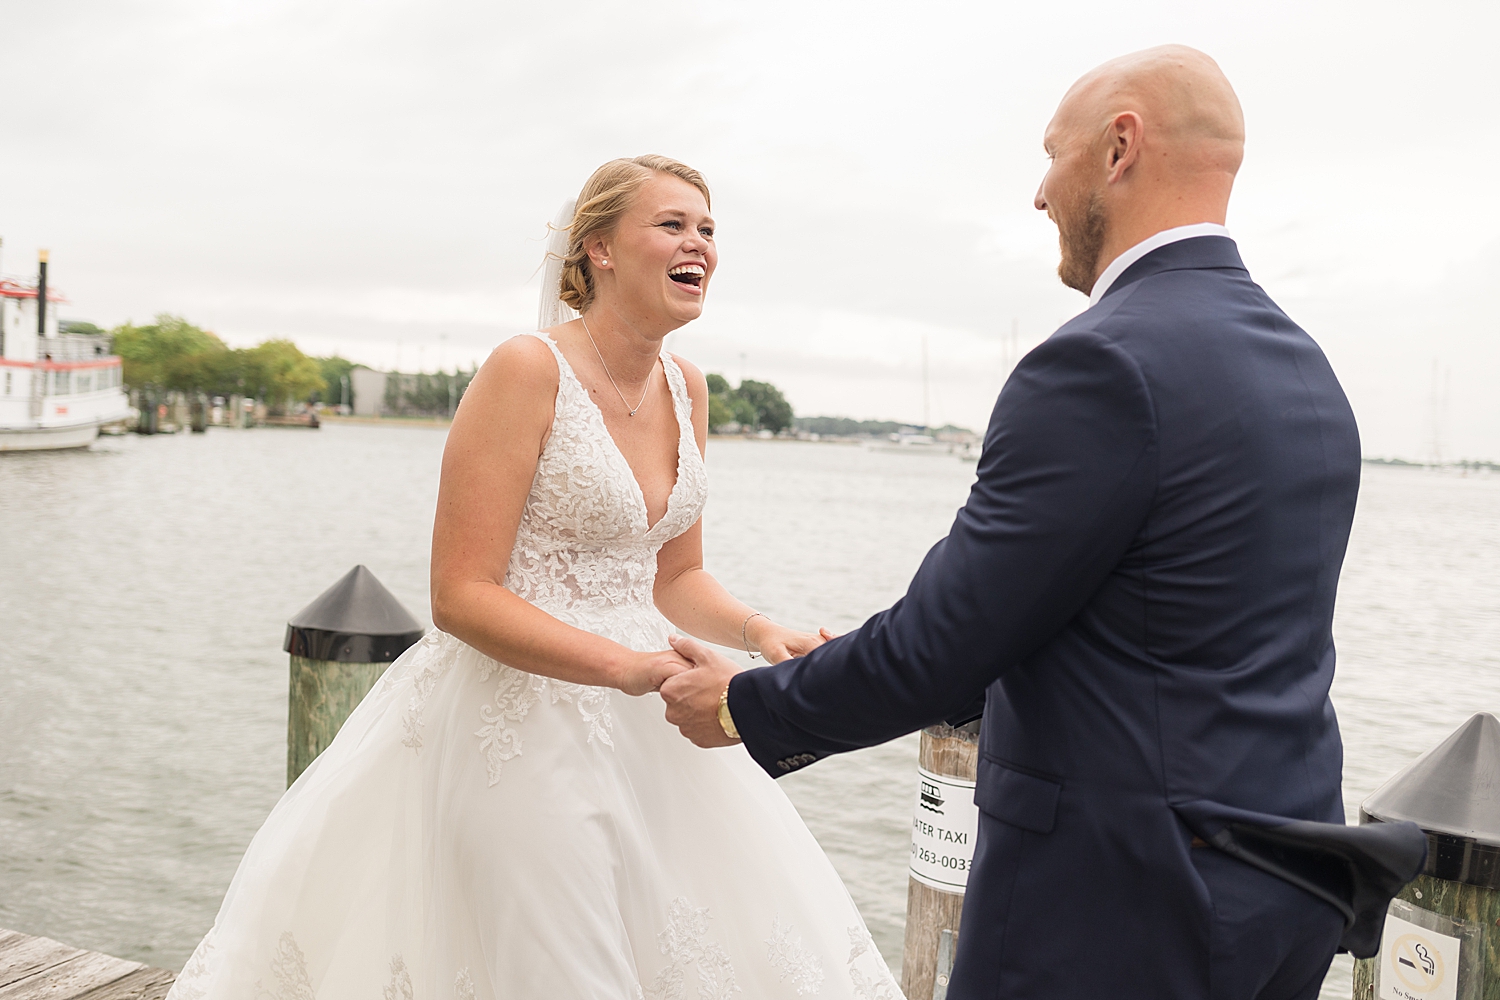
[[745, 639]]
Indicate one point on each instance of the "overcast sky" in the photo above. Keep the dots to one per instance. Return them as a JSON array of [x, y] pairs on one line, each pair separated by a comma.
[[374, 178]]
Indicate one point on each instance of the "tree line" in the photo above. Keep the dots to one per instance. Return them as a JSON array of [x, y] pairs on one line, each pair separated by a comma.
[[173, 354], [426, 395], [753, 405], [845, 427]]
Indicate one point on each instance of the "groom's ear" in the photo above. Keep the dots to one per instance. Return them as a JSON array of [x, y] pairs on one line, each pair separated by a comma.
[[1123, 136]]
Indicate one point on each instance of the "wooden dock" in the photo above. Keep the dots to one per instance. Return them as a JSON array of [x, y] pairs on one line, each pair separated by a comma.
[[37, 968]]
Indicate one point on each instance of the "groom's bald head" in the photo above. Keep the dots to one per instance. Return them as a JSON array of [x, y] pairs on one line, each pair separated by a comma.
[[1191, 115], [1143, 143]]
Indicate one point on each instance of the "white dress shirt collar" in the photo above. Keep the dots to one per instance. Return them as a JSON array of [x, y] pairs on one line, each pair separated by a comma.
[[1119, 264]]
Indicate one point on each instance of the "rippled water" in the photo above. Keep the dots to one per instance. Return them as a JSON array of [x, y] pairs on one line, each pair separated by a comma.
[[145, 584]]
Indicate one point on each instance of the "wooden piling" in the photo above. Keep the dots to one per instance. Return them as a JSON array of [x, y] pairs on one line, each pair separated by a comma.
[[933, 912], [320, 697], [340, 645], [1465, 904], [1451, 910], [146, 403]]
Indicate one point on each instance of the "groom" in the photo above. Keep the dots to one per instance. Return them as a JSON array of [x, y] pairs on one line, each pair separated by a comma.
[[1138, 595]]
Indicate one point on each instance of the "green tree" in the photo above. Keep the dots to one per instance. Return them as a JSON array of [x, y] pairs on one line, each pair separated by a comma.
[[752, 405], [334, 370], [426, 395], [719, 411], [170, 354], [279, 373], [78, 326], [393, 398], [772, 411], [720, 401], [743, 410]]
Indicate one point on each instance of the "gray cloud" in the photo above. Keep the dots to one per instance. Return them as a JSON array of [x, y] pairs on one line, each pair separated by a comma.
[[358, 175]]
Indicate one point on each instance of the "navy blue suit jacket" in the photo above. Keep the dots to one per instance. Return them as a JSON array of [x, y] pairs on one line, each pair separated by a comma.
[[1140, 587]]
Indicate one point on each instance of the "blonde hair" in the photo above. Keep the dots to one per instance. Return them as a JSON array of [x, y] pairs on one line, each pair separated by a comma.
[[604, 199]]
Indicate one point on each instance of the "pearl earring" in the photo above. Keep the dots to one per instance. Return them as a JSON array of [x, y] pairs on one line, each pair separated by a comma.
[[603, 261]]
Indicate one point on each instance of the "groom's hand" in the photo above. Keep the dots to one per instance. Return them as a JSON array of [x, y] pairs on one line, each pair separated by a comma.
[[693, 696]]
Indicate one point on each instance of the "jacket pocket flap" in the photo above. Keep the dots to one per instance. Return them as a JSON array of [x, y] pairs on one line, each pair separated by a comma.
[[1021, 800]]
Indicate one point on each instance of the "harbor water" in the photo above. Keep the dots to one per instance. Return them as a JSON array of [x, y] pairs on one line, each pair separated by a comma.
[[145, 584]]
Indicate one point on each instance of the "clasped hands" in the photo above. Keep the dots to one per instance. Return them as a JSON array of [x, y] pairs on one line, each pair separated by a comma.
[[692, 676]]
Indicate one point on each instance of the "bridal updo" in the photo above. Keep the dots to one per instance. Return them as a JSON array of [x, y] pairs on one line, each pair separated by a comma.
[[604, 199]]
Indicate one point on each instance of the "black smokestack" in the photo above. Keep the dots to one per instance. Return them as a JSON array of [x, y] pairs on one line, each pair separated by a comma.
[[41, 295]]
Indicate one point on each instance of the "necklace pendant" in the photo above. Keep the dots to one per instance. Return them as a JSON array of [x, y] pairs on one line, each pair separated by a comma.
[[644, 392]]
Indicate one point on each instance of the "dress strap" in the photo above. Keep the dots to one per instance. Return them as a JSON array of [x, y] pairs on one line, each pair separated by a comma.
[[546, 339], [682, 403], [568, 384]]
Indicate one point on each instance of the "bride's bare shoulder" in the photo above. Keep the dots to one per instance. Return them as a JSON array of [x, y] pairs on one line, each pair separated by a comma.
[[525, 357], [513, 392], [521, 365]]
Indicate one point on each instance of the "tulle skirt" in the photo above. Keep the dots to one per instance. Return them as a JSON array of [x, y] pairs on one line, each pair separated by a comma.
[[482, 833]]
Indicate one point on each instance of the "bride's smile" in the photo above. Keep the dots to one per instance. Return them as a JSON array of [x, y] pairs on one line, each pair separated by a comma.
[[689, 275]]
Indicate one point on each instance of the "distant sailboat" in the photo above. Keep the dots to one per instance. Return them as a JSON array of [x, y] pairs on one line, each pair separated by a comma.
[[919, 441], [910, 441]]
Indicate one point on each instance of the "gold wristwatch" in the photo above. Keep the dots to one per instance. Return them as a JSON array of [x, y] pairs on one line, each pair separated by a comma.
[[726, 721]]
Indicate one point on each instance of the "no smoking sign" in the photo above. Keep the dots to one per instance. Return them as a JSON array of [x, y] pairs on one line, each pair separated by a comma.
[[1417, 963]]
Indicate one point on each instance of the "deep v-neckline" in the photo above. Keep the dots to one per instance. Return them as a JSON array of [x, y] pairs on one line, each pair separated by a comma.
[[640, 494]]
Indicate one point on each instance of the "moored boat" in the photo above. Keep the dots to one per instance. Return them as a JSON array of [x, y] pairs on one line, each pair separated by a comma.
[[56, 389], [910, 442]]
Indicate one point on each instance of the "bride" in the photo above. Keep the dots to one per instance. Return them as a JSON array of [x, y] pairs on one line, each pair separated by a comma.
[[507, 814]]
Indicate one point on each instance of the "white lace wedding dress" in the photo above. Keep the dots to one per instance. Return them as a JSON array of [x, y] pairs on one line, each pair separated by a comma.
[[480, 833]]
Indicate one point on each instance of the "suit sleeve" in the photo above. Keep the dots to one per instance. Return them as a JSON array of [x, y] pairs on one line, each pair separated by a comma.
[[1064, 484]]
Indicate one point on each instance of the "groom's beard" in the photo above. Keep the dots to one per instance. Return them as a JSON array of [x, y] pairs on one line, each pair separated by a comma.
[[1082, 241]]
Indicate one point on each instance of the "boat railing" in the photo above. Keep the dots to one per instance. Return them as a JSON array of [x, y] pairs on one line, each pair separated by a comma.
[[67, 347]]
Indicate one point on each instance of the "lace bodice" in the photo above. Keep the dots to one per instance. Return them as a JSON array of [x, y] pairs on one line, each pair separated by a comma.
[[584, 544]]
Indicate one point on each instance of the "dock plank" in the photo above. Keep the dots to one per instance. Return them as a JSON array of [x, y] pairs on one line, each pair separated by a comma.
[[36, 968], [22, 956], [88, 971], [145, 983]]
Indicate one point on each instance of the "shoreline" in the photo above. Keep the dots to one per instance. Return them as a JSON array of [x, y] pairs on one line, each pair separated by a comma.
[[1481, 467]]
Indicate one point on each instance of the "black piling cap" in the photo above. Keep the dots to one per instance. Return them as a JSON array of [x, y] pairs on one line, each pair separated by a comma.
[[355, 621], [1453, 793], [1453, 788]]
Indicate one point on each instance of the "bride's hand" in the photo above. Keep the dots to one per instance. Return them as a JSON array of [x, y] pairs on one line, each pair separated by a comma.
[[646, 671], [777, 643]]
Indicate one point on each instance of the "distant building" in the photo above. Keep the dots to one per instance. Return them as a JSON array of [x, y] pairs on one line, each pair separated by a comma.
[[402, 394], [368, 388]]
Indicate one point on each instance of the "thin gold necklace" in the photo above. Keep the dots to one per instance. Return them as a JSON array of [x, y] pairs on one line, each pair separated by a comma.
[[611, 377]]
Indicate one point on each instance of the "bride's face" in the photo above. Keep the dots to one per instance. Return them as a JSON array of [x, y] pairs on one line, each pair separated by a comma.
[[659, 260]]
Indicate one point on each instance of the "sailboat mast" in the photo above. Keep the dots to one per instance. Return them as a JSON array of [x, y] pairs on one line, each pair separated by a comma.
[[926, 391]]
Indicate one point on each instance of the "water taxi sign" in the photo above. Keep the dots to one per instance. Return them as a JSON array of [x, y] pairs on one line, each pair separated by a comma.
[[944, 823]]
